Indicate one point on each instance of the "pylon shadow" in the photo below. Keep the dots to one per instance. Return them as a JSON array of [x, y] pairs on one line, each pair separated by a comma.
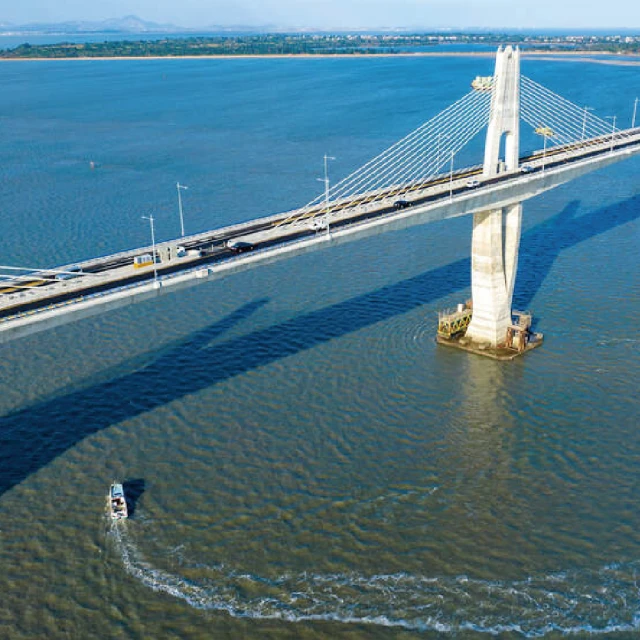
[[30, 438]]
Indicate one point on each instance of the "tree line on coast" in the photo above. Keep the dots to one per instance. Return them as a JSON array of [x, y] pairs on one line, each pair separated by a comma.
[[314, 44]]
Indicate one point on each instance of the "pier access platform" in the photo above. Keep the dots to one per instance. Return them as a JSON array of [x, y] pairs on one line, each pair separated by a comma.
[[520, 339]]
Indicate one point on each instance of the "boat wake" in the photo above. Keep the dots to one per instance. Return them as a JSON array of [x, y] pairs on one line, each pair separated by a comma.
[[582, 601]]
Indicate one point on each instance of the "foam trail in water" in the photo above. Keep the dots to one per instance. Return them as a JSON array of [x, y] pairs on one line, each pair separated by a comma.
[[574, 602]]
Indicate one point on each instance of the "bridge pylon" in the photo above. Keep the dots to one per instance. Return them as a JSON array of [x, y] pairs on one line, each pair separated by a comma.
[[496, 233]]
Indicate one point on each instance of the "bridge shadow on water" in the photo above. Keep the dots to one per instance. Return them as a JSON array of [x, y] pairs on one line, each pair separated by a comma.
[[542, 244], [32, 437]]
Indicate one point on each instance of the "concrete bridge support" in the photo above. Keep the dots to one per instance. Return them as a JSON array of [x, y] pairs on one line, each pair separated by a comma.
[[496, 233]]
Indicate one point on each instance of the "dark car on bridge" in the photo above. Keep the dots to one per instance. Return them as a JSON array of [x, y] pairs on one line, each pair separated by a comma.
[[239, 246], [401, 204]]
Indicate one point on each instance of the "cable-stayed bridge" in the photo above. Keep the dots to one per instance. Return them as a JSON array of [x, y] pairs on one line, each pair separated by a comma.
[[415, 181]]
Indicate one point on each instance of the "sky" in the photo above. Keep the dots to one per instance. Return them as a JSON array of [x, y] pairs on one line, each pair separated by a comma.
[[339, 14]]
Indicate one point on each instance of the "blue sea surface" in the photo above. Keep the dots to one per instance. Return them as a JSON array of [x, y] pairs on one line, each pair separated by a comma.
[[301, 458]]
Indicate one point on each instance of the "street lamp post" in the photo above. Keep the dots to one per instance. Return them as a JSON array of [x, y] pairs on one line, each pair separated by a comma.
[[153, 247], [546, 132], [178, 187], [453, 153], [584, 121], [326, 187], [444, 141], [613, 131]]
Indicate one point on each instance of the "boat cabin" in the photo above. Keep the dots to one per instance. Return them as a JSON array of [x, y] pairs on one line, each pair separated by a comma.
[[117, 502]]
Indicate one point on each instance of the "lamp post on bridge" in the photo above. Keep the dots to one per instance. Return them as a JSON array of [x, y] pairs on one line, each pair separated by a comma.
[[584, 122], [613, 130], [441, 149], [635, 109], [153, 248], [326, 188], [545, 132], [178, 187], [453, 153]]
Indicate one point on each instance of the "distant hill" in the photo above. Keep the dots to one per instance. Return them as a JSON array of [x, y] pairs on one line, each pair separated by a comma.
[[128, 24], [133, 24]]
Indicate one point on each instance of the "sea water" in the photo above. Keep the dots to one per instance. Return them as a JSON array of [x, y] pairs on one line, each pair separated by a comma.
[[302, 460]]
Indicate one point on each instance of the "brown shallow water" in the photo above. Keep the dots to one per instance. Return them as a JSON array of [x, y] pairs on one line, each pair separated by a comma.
[[304, 461]]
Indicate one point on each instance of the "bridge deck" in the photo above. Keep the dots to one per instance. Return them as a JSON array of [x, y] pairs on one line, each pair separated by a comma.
[[114, 276]]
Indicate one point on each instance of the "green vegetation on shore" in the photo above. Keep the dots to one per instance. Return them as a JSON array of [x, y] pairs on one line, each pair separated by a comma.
[[305, 44]]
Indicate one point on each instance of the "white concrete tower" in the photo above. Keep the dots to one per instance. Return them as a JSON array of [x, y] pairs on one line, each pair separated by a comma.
[[496, 234]]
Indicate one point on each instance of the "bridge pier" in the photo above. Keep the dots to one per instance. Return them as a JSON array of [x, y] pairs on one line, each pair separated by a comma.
[[490, 295], [496, 233], [494, 263]]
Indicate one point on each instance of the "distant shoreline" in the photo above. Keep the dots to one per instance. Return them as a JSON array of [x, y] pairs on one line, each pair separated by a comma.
[[577, 55]]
